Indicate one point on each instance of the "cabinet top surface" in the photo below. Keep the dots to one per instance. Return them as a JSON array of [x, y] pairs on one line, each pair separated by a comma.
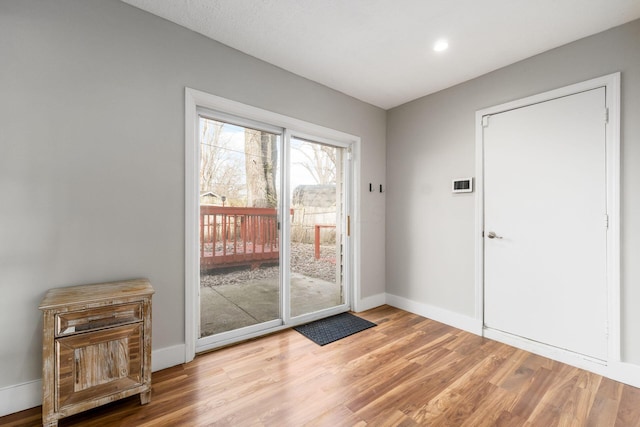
[[87, 294]]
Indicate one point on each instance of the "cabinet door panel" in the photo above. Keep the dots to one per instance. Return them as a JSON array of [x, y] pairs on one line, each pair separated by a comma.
[[99, 363]]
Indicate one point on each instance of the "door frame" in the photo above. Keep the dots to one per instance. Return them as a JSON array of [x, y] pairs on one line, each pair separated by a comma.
[[611, 83], [195, 99]]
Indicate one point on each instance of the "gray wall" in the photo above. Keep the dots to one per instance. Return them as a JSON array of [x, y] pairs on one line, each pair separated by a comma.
[[430, 231], [92, 156]]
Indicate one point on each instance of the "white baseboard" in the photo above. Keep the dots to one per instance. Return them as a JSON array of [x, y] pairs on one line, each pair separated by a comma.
[[28, 395], [570, 358], [438, 314], [368, 303], [19, 397], [167, 357], [626, 373]]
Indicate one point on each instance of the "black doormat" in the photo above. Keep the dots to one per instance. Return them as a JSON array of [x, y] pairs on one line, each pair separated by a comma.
[[325, 331]]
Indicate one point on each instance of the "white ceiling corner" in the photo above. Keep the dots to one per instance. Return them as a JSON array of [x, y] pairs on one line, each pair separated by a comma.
[[380, 51]]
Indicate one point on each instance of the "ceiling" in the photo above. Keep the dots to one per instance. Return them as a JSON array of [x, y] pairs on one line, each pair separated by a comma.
[[381, 51]]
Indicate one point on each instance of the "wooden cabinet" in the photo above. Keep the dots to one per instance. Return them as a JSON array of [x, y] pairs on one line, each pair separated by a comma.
[[96, 346]]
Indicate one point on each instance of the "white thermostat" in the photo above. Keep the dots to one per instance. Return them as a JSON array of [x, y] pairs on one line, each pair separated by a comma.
[[462, 185]]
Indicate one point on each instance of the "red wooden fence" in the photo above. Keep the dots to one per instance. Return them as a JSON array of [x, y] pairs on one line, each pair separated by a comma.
[[232, 236]]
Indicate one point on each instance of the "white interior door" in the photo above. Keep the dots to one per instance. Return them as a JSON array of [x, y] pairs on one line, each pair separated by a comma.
[[545, 201]]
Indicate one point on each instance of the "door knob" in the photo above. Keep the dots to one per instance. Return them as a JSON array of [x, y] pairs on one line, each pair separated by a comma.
[[493, 235]]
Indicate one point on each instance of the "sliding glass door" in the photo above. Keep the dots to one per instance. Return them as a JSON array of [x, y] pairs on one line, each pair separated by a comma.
[[263, 266]]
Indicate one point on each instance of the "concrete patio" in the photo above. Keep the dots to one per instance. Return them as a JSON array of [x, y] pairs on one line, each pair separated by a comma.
[[227, 307]]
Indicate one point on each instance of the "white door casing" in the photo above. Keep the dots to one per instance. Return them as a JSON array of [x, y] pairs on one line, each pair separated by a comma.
[[195, 99]]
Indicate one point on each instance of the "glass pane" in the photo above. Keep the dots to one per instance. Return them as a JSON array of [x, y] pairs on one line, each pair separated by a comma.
[[239, 247], [316, 226]]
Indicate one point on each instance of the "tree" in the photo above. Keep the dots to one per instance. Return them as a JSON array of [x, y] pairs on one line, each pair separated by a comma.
[[220, 169], [261, 162], [320, 161]]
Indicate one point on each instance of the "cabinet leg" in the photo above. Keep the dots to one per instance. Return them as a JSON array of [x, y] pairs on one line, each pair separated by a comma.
[[51, 423], [145, 397]]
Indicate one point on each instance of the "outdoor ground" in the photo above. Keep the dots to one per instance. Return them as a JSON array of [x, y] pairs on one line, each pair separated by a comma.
[[234, 299]]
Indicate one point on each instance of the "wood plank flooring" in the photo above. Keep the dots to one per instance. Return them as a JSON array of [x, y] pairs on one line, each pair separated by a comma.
[[406, 371]]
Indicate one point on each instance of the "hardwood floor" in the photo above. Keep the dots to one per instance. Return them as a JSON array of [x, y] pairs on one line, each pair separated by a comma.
[[406, 371]]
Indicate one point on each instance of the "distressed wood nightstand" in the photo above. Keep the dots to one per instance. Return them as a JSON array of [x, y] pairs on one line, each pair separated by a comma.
[[96, 346]]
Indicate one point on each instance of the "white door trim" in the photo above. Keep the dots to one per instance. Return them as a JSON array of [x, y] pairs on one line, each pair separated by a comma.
[[194, 99], [612, 84]]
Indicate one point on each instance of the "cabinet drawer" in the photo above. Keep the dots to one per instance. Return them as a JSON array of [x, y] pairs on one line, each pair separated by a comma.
[[97, 318]]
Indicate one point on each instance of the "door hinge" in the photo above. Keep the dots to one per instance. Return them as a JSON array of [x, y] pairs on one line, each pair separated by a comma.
[[349, 155], [606, 115], [485, 121], [348, 225], [606, 221]]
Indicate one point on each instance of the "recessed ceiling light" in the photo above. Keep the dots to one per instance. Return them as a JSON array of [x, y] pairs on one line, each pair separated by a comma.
[[441, 45]]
